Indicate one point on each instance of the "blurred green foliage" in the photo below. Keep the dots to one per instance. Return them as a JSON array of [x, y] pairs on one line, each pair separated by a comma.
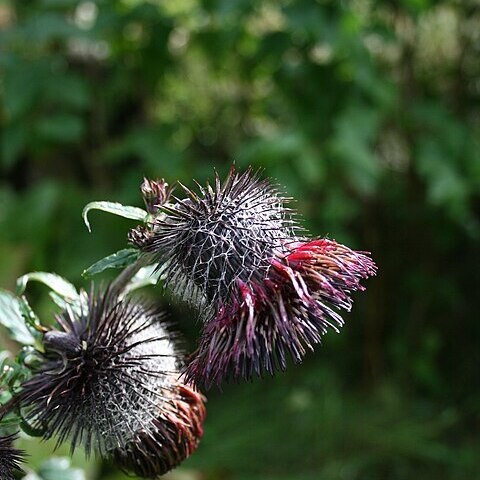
[[367, 111]]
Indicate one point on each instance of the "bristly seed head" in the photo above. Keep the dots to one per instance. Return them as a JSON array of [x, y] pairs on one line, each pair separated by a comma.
[[10, 458], [109, 375]]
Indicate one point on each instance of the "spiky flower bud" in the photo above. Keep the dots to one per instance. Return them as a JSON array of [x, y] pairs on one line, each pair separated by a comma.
[[155, 194], [140, 236], [109, 379], [10, 458], [271, 293]]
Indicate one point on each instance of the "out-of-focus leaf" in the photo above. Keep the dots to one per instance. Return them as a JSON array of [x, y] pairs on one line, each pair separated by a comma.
[[124, 211], [120, 259], [13, 140], [307, 18], [445, 185], [52, 280], [57, 468], [59, 3], [68, 91], [292, 154], [47, 26], [11, 318], [62, 128], [153, 146], [20, 92], [144, 277], [355, 132]]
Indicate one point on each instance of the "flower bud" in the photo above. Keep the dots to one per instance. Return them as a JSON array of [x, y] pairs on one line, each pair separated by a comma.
[[155, 194], [140, 236]]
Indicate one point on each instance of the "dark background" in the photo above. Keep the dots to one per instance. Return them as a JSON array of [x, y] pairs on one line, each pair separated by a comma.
[[367, 111]]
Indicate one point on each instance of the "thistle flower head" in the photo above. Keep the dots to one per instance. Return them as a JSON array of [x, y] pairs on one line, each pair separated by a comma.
[[270, 293], [282, 316], [225, 234], [10, 458], [108, 373]]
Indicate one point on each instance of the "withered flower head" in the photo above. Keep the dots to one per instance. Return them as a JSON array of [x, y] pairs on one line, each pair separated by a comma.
[[10, 458], [108, 379], [268, 292]]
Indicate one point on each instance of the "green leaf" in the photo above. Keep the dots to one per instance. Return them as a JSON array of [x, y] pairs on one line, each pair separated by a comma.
[[31, 319], [55, 282], [49, 26], [120, 259], [10, 422], [13, 372], [59, 301], [11, 318], [124, 211], [29, 430], [79, 305], [58, 3]]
